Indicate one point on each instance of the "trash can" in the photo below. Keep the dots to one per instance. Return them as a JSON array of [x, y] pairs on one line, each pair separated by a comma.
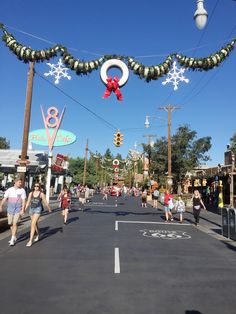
[[232, 224], [225, 222]]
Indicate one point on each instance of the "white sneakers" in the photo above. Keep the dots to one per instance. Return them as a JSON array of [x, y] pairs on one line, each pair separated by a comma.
[[12, 241], [36, 238]]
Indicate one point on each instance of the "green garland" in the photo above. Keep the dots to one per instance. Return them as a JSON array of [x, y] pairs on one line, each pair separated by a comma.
[[205, 64], [81, 67]]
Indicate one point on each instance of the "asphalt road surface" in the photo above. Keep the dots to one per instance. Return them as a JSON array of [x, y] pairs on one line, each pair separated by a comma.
[[120, 259]]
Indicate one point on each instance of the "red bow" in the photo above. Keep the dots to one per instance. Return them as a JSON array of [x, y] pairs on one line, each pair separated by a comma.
[[113, 86]]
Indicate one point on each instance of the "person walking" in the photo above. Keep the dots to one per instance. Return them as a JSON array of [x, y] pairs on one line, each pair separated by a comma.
[[168, 205], [197, 205], [180, 208], [105, 193], [16, 198], [155, 197], [34, 202], [144, 198], [65, 198]]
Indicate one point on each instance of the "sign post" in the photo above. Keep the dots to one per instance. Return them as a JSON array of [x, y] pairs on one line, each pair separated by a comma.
[[51, 121], [51, 136]]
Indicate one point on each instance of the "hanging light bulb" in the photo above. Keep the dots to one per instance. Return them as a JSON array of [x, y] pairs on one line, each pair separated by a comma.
[[200, 15], [147, 123]]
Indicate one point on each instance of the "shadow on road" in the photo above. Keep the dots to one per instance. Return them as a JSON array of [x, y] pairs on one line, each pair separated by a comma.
[[120, 212], [45, 232], [229, 246], [71, 220]]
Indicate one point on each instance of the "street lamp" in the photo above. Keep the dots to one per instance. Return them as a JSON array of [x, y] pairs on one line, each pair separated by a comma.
[[200, 15]]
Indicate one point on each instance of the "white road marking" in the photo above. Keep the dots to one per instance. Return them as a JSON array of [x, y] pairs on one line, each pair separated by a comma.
[[149, 222], [117, 261], [100, 205]]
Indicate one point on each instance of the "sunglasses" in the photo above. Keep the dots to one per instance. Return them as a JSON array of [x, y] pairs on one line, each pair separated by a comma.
[[36, 186]]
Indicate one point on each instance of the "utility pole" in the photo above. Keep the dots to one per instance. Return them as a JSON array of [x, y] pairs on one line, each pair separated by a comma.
[[169, 109], [24, 149], [85, 162], [149, 136]]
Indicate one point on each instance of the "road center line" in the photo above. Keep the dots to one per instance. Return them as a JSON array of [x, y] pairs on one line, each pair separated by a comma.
[[149, 222], [117, 261]]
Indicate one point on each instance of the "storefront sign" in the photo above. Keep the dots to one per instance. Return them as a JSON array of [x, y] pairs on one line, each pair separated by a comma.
[[63, 137]]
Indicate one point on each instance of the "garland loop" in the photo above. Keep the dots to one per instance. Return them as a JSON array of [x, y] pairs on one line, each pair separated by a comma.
[[149, 73]]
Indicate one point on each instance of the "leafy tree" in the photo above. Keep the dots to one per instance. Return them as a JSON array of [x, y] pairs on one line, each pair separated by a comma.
[[4, 143], [108, 154], [187, 153], [233, 143]]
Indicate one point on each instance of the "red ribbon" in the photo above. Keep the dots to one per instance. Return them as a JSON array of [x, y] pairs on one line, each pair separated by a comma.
[[113, 86]]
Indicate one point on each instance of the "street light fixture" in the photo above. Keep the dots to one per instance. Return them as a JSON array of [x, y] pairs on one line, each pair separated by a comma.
[[200, 15]]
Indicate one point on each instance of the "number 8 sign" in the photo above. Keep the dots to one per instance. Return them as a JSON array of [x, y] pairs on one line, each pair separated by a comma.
[[51, 121]]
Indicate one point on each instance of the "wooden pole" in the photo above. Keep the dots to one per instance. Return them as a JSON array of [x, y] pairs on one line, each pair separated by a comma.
[[85, 163], [169, 110], [29, 91]]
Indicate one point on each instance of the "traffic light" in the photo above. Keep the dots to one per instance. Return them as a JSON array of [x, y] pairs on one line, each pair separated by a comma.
[[118, 139]]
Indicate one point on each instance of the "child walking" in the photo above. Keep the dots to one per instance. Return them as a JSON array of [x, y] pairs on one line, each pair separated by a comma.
[[180, 208]]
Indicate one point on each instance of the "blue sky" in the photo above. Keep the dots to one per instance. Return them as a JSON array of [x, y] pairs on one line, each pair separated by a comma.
[[149, 31]]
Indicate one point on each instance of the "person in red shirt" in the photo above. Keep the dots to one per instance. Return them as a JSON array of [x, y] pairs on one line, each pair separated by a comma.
[[168, 205], [65, 198]]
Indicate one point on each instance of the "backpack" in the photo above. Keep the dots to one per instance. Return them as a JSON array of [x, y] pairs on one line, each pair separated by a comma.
[[156, 193], [171, 203]]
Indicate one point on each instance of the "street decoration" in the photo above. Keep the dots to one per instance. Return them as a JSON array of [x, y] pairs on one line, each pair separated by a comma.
[[51, 121], [175, 75], [116, 166], [60, 163], [149, 73], [118, 139], [114, 84], [58, 70]]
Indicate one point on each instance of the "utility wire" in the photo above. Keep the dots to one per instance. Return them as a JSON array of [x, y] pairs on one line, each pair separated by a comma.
[[112, 126], [187, 96], [212, 76]]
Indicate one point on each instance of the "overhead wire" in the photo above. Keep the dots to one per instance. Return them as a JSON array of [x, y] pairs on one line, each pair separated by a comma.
[[112, 126]]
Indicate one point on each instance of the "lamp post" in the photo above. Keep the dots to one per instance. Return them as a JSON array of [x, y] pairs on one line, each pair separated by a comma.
[[200, 15]]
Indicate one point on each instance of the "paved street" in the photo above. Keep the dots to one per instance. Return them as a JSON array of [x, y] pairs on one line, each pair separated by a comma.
[[122, 259]]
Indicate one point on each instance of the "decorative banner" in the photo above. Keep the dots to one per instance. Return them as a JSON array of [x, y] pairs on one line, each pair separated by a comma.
[[60, 163], [149, 73], [63, 137]]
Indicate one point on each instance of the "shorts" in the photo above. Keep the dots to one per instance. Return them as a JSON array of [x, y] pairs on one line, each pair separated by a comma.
[[82, 200], [155, 197], [36, 210], [13, 218], [167, 209], [144, 200]]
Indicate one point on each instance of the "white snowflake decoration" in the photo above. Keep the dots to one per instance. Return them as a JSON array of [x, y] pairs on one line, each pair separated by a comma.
[[58, 70], [175, 75]]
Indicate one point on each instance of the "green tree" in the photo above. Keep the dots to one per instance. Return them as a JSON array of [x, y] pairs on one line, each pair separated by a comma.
[[187, 153], [4, 143], [233, 143]]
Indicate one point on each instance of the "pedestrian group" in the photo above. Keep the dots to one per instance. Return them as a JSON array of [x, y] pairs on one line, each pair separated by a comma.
[[17, 205]]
